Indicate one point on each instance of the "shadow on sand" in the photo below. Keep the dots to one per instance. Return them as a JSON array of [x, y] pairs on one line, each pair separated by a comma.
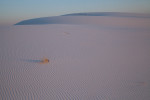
[[32, 61]]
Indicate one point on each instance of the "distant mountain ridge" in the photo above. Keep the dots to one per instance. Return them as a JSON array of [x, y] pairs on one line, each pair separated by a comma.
[[76, 18]]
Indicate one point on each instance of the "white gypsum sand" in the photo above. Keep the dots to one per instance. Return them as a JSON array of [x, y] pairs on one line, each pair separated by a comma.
[[108, 59]]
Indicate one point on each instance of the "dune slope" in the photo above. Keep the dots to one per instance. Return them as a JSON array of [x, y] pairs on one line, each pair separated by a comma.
[[81, 18], [105, 61]]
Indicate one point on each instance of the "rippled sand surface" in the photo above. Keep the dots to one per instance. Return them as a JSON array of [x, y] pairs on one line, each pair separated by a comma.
[[87, 62]]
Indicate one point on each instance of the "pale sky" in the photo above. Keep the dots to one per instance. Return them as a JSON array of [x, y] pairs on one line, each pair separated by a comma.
[[13, 11]]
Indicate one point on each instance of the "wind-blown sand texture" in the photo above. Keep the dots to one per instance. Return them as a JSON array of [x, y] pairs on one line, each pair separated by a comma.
[[106, 60]]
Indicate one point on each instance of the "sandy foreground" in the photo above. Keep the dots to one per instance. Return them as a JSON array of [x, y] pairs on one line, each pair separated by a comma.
[[105, 61]]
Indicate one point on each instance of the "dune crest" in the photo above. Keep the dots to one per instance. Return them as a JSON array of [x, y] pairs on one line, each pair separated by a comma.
[[80, 18]]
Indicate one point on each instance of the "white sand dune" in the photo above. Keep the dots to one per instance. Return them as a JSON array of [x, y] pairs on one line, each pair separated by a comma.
[[105, 61], [99, 18]]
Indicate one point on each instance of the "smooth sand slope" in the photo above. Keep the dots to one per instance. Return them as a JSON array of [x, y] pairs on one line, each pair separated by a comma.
[[96, 18], [104, 61]]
